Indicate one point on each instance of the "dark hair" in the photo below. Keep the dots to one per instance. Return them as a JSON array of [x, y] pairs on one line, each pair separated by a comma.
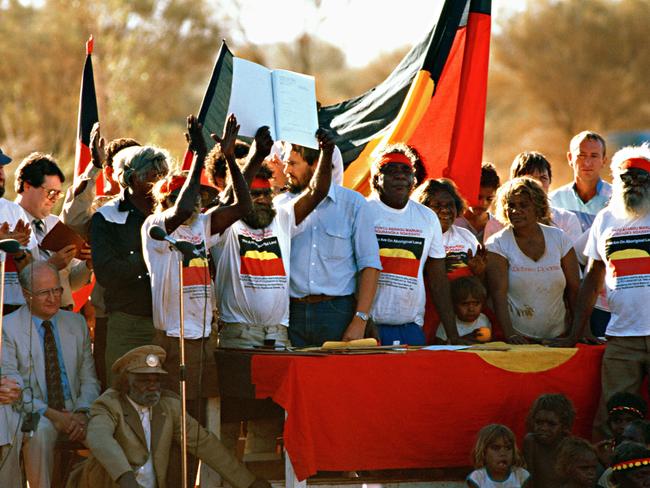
[[242, 148], [527, 162], [489, 176], [418, 167], [215, 165], [569, 450], [115, 146], [624, 400], [465, 287], [424, 193], [33, 170], [557, 403], [307, 153], [628, 451]]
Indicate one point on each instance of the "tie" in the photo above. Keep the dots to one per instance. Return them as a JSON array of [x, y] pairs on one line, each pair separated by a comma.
[[39, 232], [55, 397]]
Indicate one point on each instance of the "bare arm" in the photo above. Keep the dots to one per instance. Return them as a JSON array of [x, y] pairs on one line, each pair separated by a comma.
[[367, 288], [260, 149], [497, 278], [436, 275], [224, 216], [587, 295], [571, 272], [320, 181], [185, 205]]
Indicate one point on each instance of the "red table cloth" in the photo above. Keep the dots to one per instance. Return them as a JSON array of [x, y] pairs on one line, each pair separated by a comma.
[[420, 409]]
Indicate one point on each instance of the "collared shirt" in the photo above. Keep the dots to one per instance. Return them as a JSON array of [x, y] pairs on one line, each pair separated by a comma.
[[117, 257], [567, 197], [38, 323], [145, 474], [334, 243]]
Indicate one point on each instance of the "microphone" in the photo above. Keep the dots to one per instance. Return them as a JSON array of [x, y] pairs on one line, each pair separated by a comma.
[[186, 248], [12, 246]]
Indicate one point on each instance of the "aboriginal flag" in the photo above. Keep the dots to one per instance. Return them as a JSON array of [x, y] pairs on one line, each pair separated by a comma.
[[400, 255], [434, 100], [260, 257], [88, 115]]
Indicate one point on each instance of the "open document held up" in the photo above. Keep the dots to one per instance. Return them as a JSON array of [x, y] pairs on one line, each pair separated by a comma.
[[283, 100]]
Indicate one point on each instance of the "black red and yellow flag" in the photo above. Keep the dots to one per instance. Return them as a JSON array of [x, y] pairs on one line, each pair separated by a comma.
[[88, 115], [434, 100]]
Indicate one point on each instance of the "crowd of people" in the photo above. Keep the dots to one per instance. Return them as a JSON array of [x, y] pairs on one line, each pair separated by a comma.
[[268, 248]]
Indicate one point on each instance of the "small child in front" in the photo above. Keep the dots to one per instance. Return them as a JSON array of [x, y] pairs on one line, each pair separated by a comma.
[[577, 463], [497, 461], [468, 296], [549, 421]]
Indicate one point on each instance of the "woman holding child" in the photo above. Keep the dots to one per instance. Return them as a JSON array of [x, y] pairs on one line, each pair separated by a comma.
[[532, 269]]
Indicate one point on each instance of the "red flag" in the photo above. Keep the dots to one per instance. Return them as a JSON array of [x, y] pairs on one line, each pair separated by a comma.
[[87, 117]]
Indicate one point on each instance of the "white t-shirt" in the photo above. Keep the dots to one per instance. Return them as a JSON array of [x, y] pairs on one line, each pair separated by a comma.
[[253, 271], [11, 213], [457, 242], [535, 288], [162, 263], [480, 478], [465, 328], [624, 246], [406, 237]]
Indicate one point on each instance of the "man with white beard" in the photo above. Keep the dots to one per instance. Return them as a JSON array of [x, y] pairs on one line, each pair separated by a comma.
[[619, 253]]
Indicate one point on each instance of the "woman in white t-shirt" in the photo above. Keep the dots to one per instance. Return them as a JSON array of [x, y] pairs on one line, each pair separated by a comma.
[[532, 267]]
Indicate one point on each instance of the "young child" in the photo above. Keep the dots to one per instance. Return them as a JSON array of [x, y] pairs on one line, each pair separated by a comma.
[[497, 461], [468, 297], [636, 431], [631, 466], [577, 463], [622, 408], [549, 421], [476, 216]]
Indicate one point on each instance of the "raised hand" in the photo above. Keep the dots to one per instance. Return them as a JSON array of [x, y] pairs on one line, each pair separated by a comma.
[[97, 147], [194, 135], [263, 142], [325, 142], [22, 232], [5, 233], [477, 263], [229, 137]]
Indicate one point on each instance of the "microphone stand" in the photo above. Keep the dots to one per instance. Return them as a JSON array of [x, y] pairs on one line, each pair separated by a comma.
[[181, 369], [3, 259]]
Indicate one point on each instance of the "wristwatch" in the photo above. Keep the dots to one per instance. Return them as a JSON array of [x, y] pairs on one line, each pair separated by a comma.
[[362, 315]]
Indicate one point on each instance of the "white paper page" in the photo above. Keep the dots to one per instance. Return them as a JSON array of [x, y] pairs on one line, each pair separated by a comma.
[[295, 107], [445, 348], [251, 97]]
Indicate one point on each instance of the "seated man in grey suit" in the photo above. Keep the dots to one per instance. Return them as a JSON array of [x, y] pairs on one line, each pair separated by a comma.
[[47, 350]]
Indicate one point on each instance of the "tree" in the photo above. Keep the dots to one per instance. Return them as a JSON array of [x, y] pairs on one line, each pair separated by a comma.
[[560, 67]]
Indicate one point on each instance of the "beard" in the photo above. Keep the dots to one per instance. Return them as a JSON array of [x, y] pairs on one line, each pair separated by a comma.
[[260, 217], [630, 202]]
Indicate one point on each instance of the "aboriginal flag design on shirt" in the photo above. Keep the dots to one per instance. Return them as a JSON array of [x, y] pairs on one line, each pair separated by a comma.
[[629, 258], [260, 257], [196, 274], [400, 255]]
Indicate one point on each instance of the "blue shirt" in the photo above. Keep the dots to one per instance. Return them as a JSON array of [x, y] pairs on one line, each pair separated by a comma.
[[334, 243], [67, 395], [567, 197]]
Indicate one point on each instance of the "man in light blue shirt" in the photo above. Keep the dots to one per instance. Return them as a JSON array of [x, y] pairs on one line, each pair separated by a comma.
[[587, 195], [333, 255]]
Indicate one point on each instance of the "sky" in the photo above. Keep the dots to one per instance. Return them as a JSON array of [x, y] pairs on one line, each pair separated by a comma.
[[363, 29]]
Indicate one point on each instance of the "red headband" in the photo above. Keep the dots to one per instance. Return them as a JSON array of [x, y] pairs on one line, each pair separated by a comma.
[[260, 184], [638, 163], [173, 184], [631, 464], [623, 408], [394, 157]]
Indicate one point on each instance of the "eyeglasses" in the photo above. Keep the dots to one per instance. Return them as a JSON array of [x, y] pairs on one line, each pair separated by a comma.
[[52, 194], [55, 292]]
